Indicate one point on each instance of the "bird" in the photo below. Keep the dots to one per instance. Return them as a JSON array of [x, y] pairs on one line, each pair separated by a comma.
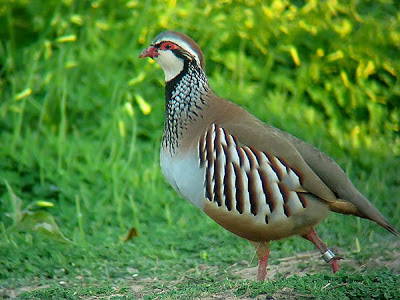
[[255, 180]]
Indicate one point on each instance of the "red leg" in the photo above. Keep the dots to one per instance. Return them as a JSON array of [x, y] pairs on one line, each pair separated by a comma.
[[327, 254], [262, 267], [262, 250]]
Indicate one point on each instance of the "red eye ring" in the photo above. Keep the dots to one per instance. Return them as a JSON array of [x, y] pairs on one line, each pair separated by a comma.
[[168, 46]]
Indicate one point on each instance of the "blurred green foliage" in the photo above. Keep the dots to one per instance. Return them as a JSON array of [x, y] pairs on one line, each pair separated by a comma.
[[341, 59], [81, 119]]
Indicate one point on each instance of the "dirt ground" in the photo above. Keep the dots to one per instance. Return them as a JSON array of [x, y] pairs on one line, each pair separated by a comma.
[[301, 264], [309, 262]]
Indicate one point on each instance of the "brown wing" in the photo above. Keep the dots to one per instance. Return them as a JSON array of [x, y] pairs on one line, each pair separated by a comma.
[[252, 193], [318, 173]]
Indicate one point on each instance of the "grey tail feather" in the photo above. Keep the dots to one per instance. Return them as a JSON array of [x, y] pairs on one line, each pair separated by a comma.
[[391, 229], [369, 211], [381, 220], [384, 223]]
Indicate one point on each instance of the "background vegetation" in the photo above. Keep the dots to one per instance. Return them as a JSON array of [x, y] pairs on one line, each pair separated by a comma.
[[80, 125]]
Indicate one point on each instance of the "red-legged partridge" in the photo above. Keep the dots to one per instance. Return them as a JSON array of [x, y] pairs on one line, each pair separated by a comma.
[[254, 180]]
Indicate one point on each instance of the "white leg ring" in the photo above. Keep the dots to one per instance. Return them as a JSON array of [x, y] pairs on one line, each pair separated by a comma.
[[328, 255]]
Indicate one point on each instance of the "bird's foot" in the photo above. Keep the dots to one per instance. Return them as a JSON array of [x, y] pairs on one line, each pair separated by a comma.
[[332, 259], [327, 254], [334, 263]]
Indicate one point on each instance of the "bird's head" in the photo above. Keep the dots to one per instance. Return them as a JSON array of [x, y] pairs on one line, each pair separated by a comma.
[[171, 50]]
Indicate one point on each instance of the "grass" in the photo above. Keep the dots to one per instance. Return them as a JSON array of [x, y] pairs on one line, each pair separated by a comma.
[[377, 285], [81, 119]]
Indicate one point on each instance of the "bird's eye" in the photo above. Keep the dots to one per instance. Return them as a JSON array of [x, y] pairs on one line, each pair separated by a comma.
[[168, 46]]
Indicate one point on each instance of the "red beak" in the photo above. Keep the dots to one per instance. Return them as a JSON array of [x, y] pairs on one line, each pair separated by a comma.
[[150, 51]]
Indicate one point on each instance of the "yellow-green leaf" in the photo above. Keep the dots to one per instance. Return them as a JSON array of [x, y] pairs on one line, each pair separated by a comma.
[[23, 94], [143, 105], [43, 203], [295, 55], [66, 38]]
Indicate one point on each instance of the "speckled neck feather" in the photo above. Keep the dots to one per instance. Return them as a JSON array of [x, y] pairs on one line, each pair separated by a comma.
[[184, 102]]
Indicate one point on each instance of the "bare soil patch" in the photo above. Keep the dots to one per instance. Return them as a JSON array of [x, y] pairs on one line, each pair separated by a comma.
[[311, 262], [301, 264]]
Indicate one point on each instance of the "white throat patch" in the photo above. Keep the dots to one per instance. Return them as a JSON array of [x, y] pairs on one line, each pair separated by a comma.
[[170, 64]]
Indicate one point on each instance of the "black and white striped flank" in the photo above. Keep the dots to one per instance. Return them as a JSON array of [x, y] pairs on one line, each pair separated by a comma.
[[244, 179]]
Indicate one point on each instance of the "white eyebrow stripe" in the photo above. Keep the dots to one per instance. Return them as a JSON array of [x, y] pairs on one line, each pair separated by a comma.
[[181, 43]]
